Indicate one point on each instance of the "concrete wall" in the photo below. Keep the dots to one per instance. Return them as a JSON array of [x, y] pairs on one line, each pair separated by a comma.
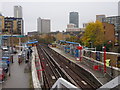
[[36, 83]]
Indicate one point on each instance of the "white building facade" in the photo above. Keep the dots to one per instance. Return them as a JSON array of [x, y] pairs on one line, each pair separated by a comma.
[[72, 27], [43, 25]]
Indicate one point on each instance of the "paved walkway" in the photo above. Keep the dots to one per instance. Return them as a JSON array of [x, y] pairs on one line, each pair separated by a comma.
[[18, 78], [97, 74]]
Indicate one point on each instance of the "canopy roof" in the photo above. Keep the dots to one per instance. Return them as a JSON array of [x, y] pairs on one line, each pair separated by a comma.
[[32, 42], [69, 42], [6, 36]]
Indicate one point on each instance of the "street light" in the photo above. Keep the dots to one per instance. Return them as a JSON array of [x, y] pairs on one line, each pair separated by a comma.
[[91, 44], [90, 47], [104, 49]]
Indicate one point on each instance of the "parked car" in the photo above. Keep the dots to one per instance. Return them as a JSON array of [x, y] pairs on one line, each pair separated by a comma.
[[4, 66], [4, 48], [8, 57], [2, 74], [5, 61]]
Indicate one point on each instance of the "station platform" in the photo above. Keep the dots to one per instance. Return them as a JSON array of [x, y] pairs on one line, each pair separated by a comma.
[[99, 75], [18, 78]]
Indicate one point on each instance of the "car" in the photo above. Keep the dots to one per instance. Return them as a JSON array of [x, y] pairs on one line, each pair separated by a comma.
[[2, 74], [4, 66], [7, 50], [5, 61], [4, 48], [8, 57], [5, 58]]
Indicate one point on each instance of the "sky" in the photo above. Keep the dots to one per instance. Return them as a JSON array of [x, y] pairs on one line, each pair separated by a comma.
[[58, 11]]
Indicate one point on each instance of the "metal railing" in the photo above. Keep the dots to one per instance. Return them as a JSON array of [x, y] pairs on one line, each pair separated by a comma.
[[62, 83]]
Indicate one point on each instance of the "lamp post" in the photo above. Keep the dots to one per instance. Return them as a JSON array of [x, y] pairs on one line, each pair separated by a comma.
[[104, 48], [80, 48], [90, 47]]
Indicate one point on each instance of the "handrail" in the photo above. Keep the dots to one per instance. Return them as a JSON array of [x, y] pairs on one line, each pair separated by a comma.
[[111, 84], [60, 82]]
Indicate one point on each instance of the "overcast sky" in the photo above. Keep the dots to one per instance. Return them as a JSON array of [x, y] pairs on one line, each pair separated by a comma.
[[58, 12]]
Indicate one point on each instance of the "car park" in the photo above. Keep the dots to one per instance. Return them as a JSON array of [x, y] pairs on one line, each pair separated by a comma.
[[4, 66], [5, 61], [2, 74], [8, 57], [4, 48]]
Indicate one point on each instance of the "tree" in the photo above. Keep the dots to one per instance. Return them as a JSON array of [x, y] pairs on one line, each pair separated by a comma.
[[73, 39], [94, 33]]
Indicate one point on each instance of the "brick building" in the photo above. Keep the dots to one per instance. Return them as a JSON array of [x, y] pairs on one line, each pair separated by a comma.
[[109, 32]]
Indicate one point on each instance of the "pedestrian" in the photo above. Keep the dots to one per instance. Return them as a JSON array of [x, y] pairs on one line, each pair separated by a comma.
[[30, 51], [28, 56]]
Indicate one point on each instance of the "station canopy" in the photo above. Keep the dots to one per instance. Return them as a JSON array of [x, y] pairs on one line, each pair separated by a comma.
[[69, 42], [32, 42], [6, 36]]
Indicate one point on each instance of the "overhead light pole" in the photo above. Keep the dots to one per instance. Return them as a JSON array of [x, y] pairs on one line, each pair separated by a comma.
[[104, 49]]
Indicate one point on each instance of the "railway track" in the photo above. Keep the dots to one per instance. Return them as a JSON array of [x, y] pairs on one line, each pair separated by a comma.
[[50, 75], [72, 74]]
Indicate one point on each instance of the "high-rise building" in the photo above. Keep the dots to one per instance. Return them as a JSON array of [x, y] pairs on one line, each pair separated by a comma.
[[39, 25], [119, 8], [74, 18], [43, 25], [100, 17], [17, 11]]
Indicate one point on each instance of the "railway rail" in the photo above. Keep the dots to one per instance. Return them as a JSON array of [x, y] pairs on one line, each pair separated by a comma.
[[50, 75], [59, 66]]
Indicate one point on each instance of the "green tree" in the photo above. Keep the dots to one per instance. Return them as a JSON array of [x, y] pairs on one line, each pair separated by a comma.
[[72, 39], [94, 33]]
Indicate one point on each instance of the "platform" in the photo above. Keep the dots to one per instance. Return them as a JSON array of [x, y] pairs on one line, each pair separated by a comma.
[[17, 79], [100, 76]]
